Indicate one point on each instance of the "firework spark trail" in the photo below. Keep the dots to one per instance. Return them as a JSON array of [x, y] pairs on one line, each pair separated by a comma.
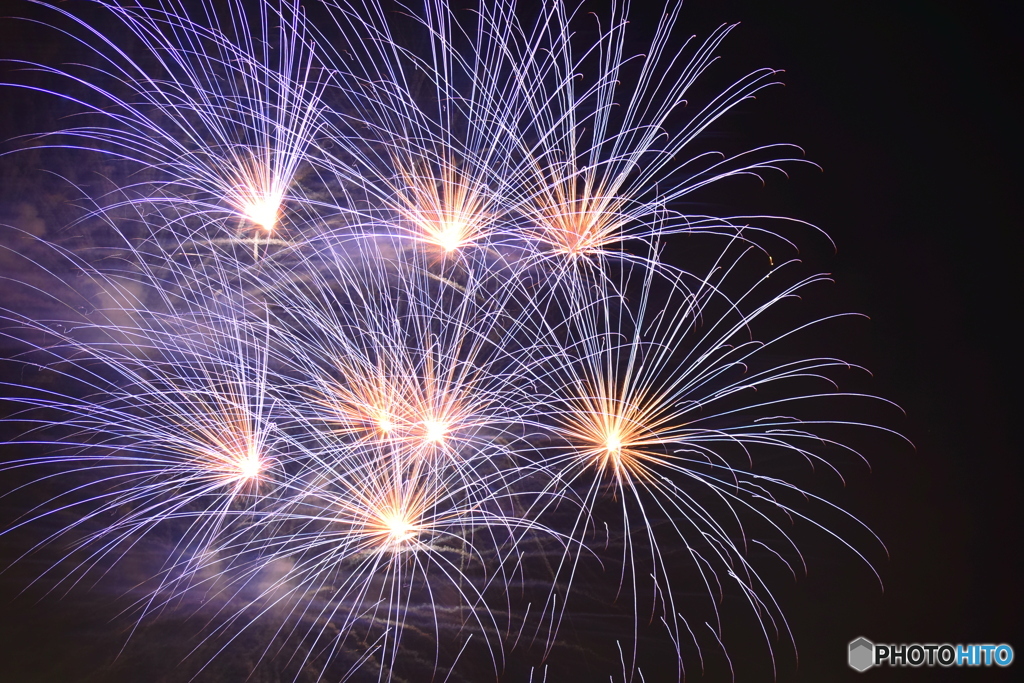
[[495, 152], [374, 538], [420, 363], [463, 354], [180, 418], [600, 159], [426, 132], [225, 117], [170, 404], [436, 473], [633, 408]]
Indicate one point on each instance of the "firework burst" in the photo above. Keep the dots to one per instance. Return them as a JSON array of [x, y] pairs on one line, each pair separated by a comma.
[[219, 114], [458, 381]]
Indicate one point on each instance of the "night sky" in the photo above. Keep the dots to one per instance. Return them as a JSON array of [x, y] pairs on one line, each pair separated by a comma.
[[907, 108]]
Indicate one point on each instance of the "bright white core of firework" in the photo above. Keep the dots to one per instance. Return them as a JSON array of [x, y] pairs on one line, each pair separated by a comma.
[[400, 529], [249, 465], [435, 431], [262, 212], [451, 236]]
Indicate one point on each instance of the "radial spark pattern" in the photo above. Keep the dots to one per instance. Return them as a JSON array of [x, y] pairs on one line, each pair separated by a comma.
[[380, 348]]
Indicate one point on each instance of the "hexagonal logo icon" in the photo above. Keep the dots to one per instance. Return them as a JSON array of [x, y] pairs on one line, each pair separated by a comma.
[[862, 654]]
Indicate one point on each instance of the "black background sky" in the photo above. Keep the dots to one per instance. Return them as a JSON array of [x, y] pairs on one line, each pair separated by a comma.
[[912, 109], [908, 107]]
